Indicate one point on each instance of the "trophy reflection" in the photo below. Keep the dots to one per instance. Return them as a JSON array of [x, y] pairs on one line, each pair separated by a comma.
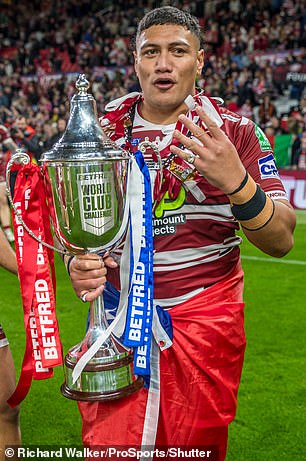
[[86, 177]]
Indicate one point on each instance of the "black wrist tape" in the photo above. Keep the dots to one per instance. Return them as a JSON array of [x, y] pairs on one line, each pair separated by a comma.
[[252, 207], [245, 180]]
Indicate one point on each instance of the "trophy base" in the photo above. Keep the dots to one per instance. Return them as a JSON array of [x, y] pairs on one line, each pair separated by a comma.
[[103, 378], [101, 396]]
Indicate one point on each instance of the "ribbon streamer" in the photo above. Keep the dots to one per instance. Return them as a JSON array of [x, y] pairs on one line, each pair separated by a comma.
[[130, 257], [37, 283]]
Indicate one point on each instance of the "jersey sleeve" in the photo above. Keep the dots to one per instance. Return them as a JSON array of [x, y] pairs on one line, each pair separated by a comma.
[[257, 156]]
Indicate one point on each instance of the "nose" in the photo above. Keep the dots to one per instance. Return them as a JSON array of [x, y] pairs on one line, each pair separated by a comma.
[[163, 62]]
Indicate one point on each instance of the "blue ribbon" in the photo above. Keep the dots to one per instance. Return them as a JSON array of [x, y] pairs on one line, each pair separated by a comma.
[[138, 329]]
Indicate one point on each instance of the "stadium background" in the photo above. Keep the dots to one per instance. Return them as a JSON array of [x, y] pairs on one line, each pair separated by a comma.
[[255, 61]]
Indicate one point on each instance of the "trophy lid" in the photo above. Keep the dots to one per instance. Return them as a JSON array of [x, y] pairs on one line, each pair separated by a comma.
[[83, 139]]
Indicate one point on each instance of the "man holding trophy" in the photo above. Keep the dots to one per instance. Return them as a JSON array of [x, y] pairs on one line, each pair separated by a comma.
[[194, 173], [218, 172]]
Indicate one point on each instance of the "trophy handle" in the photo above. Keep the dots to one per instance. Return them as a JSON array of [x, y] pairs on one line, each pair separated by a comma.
[[23, 158]]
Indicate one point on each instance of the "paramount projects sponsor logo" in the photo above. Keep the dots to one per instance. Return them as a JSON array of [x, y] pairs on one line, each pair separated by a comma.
[[167, 225]]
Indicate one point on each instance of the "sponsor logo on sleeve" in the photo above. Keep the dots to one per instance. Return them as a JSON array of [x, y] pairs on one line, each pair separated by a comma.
[[277, 194], [267, 167], [262, 139]]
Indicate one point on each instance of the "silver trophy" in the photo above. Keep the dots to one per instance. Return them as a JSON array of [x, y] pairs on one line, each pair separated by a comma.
[[86, 177]]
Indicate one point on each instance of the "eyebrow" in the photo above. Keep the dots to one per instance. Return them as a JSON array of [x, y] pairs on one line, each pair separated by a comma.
[[177, 43]]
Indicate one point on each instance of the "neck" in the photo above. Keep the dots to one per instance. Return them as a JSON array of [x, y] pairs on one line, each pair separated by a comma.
[[159, 117]]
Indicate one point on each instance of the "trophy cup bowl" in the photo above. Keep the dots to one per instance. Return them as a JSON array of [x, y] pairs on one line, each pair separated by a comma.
[[85, 176]]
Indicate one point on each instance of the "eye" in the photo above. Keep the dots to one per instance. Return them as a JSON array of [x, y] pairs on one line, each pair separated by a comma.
[[150, 52], [178, 51]]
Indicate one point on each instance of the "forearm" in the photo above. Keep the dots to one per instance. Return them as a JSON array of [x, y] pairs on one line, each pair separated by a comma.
[[268, 224], [276, 237]]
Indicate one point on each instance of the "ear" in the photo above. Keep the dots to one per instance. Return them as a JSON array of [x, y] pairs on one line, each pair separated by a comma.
[[200, 61]]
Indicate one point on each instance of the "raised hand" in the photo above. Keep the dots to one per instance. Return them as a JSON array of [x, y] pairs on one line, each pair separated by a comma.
[[215, 157]]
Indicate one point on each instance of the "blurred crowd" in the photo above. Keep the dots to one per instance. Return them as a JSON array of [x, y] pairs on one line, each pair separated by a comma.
[[255, 61]]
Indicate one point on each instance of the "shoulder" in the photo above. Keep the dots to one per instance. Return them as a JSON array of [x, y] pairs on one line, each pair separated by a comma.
[[233, 119], [124, 101], [223, 116], [118, 109], [239, 127]]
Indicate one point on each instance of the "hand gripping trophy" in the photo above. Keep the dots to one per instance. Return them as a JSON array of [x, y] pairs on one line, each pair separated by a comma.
[[86, 178]]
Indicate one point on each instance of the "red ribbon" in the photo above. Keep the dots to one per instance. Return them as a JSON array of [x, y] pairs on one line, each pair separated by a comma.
[[37, 282]]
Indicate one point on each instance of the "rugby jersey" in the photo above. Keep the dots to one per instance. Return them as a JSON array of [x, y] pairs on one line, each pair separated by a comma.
[[195, 241]]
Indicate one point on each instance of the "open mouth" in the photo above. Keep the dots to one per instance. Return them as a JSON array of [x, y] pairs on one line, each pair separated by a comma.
[[164, 83]]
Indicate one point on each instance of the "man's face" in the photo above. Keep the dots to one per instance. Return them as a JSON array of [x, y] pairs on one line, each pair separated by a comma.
[[61, 125], [167, 60], [21, 123]]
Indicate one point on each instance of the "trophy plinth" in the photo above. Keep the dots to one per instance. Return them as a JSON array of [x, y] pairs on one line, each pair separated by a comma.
[[86, 181], [109, 373], [105, 378]]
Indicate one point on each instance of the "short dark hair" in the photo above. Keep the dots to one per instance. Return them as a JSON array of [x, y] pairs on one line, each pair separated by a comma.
[[170, 15]]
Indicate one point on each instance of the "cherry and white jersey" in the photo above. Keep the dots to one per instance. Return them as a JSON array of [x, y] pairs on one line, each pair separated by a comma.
[[195, 241]]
